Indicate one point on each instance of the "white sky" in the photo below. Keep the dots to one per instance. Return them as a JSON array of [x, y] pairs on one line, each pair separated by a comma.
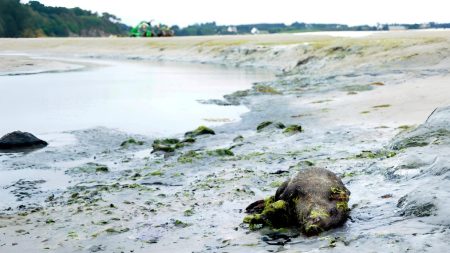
[[185, 12]]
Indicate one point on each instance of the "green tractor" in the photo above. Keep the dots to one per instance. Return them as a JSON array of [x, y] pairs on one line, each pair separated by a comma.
[[145, 29]]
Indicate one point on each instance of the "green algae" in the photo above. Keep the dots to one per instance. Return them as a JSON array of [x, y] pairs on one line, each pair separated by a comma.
[[292, 129], [156, 173], [89, 168], [220, 152], [342, 206], [166, 145], [405, 127], [188, 157], [274, 214], [49, 221], [180, 224], [101, 169], [265, 89], [188, 212], [201, 130], [349, 174], [339, 194], [318, 213], [251, 155], [72, 235], [278, 205], [382, 106], [367, 154], [263, 125], [432, 137], [188, 140], [130, 142]]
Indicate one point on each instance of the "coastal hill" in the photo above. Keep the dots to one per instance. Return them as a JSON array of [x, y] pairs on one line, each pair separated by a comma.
[[37, 20]]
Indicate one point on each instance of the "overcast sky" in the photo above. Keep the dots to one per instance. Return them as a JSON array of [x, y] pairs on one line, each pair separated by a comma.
[[184, 12]]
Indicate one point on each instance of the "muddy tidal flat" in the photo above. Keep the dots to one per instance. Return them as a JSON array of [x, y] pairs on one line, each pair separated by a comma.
[[374, 109]]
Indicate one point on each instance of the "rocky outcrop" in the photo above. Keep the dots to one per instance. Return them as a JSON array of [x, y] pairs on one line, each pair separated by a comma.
[[21, 140]]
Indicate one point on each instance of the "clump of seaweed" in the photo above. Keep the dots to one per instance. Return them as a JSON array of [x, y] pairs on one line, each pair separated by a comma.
[[201, 130], [274, 214], [131, 142], [292, 129], [166, 145]]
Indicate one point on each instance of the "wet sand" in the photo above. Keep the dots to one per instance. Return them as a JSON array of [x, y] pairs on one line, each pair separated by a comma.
[[408, 103], [364, 104]]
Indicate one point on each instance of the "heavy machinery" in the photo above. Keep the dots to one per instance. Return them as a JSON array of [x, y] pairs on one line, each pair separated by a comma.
[[145, 29]]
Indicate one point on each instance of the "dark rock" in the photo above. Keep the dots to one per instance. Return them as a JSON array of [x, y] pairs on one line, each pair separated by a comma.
[[166, 145], [315, 200], [188, 140], [278, 172], [220, 152], [266, 124], [21, 140], [263, 125]]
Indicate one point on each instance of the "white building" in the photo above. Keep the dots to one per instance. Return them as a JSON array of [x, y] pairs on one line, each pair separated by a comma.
[[232, 29], [254, 30]]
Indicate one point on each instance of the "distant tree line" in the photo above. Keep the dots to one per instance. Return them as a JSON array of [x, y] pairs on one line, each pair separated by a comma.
[[37, 20], [212, 28]]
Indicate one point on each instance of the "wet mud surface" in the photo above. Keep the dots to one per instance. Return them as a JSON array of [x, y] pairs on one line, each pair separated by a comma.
[[92, 193]]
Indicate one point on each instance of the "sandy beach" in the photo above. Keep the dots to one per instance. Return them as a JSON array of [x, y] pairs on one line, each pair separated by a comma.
[[374, 109]]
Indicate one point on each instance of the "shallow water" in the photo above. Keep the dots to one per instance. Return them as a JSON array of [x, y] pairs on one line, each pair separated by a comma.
[[136, 97], [12, 182]]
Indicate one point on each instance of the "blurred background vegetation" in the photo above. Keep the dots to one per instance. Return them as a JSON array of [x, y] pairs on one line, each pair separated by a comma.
[[37, 20]]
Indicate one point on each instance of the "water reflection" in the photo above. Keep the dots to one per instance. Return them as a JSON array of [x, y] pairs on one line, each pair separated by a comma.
[[137, 97]]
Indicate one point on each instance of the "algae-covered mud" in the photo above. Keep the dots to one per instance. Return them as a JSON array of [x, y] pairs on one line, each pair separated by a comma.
[[363, 108]]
